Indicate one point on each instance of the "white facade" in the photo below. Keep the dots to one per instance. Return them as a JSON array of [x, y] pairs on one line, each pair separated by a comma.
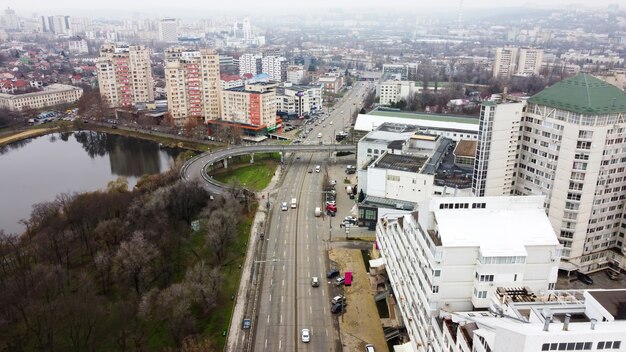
[[295, 74], [168, 30], [250, 63], [299, 100], [495, 153], [451, 255], [524, 321], [51, 95], [529, 62], [441, 125], [275, 67], [394, 91], [78, 47], [505, 62]]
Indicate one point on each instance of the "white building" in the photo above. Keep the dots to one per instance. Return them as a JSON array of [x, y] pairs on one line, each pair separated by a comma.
[[275, 67], [517, 61], [525, 321], [572, 149], [451, 256], [299, 100], [394, 91], [399, 72], [295, 74], [51, 95], [168, 30], [250, 63], [505, 62], [495, 154], [529, 61], [446, 125], [78, 46]]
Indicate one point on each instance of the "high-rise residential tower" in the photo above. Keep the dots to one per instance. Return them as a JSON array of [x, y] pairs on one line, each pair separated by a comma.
[[168, 30], [192, 79], [125, 75], [570, 145]]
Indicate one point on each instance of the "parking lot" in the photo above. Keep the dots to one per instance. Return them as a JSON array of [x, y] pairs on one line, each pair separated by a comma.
[[600, 280]]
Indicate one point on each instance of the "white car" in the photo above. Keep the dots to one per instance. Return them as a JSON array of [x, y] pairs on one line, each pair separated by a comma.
[[306, 335], [283, 206]]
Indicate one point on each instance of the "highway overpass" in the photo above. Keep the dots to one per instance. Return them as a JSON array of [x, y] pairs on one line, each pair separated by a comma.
[[195, 168]]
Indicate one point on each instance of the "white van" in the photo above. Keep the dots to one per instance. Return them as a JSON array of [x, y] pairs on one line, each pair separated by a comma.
[[317, 168], [294, 203], [319, 135]]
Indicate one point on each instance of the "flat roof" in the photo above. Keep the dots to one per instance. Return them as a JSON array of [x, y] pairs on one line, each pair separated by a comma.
[[466, 148], [425, 116], [370, 122], [614, 301], [385, 136], [401, 162], [498, 232]]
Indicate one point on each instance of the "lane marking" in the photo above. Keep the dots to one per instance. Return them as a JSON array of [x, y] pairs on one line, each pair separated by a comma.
[[266, 344], [270, 297], [268, 320], [280, 344], [283, 282], [310, 310], [281, 318]]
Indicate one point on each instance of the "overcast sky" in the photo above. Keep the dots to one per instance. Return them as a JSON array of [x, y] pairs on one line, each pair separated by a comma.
[[54, 7]]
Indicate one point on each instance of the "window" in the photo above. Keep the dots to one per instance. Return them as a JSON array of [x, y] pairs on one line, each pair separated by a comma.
[[436, 273], [486, 278], [435, 289]]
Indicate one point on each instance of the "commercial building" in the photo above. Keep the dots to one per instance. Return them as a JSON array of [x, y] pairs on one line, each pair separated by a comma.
[[168, 30], [51, 95], [252, 105], [125, 75], [299, 100], [571, 148], [332, 82], [446, 125], [275, 67], [192, 79], [450, 256], [523, 321]]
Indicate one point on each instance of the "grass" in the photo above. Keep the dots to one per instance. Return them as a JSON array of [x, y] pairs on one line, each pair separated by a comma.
[[254, 177]]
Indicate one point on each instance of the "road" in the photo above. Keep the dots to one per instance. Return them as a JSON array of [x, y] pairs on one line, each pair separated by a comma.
[[296, 250]]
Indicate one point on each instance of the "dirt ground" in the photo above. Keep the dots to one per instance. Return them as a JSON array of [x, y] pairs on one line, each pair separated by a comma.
[[22, 135], [360, 324]]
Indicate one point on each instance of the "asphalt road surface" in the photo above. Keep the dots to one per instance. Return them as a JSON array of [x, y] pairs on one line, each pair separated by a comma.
[[296, 250]]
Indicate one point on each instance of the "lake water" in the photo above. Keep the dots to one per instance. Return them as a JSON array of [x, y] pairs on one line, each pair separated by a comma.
[[38, 169]]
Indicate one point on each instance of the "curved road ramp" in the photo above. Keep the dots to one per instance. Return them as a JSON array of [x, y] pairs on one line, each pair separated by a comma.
[[195, 168]]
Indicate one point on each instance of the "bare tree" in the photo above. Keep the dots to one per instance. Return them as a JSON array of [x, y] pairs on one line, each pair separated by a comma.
[[221, 230], [135, 260], [203, 283]]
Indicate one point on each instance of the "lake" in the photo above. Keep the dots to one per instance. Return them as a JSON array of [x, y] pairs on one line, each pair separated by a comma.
[[38, 169]]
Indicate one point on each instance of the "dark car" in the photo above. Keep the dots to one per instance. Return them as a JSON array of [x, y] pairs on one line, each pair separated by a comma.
[[338, 307], [584, 278], [247, 323], [332, 273]]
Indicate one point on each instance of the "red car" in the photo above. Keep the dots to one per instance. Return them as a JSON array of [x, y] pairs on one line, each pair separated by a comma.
[[331, 207]]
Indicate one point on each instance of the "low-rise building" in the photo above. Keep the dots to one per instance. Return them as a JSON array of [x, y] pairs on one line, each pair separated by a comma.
[[253, 105], [331, 83], [394, 91], [51, 95], [299, 100]]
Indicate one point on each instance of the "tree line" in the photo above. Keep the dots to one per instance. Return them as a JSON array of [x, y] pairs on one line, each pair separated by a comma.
[[117, 269]]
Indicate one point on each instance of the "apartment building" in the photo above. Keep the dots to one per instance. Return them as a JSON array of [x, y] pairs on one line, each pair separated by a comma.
[[168, 30], [495, 163], [78, 46], [275, 67], [529, 61], [295, 74], [125, 75], [192, 79], [331, 82], [572, 320], [51, 95], [517, 61], [394, 91], [252, 105], [250, 63], [449, 256], [571, 148]]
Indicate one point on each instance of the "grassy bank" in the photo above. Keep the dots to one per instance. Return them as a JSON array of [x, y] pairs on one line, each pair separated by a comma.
[[254, 177]]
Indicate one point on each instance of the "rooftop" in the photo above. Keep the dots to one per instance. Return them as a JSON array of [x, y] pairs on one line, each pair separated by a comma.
[[614, 301], [466, 148], [427, 117], [486, 228], [582, 94], [401, 162]]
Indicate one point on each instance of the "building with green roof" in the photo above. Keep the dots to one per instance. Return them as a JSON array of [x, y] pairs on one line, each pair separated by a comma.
[[567, 143]]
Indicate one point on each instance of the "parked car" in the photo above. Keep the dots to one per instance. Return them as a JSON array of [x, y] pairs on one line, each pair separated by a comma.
[[338, 299], [612, 274], [339, 307], [332, 273], [340, 281], [369, 348], [247, 323], [584, 278], [350, 219]]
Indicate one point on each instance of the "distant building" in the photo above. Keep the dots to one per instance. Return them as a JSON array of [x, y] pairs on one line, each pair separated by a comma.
[[51, 95], [529, 61], [230, 81], [505, 62], [299, 100], [275, 67], [332, 83], [192, 79], [393, 91], [78, 46], [295, 74], [168, 30], [125, 75], [512, 61], [250, 63]]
